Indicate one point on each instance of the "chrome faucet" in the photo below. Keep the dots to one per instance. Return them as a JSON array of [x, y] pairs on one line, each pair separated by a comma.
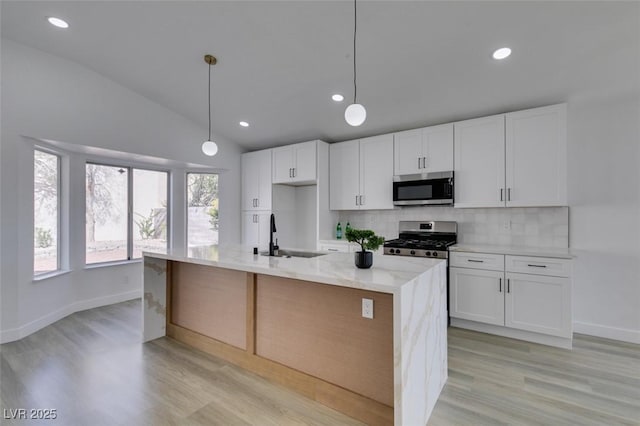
[[272, 229]]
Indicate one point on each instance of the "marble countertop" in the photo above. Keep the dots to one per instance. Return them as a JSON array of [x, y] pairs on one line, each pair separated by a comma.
[[387, 275], [558, 253]]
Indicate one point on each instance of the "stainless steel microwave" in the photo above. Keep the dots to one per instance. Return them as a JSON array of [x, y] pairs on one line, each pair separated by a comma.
[[423, 189]]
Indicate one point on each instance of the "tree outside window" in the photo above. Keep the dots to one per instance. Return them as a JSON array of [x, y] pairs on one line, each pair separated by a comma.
[[46, 182], [202, 209]]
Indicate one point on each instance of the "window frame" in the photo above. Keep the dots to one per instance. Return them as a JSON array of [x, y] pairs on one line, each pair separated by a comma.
[[130, 187], [58, 213]]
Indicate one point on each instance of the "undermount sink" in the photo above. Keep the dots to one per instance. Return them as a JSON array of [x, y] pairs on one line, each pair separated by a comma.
[[294, 253]]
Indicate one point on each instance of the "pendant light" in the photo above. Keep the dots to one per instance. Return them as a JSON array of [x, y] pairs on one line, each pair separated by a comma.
[[355, 114], [209, 147]]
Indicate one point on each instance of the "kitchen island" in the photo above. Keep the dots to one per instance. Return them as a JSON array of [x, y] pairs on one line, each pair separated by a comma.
[[299, 322]]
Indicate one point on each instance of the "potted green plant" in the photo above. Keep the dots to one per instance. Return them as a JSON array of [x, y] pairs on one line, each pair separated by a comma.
[[368, 240]]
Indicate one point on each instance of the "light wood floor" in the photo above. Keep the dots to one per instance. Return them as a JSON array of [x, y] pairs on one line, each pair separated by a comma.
[[93, 369]]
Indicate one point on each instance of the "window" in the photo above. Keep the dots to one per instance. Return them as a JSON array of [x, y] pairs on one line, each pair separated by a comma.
[[149, 211], [202, 209], [46, 212], [126, 212]]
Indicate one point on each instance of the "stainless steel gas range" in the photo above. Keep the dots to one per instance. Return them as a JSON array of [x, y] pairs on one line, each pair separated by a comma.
[[423, 239]]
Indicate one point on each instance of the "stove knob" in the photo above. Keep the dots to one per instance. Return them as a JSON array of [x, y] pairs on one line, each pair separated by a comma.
[[435, 254], [413, 252], [428, 253]]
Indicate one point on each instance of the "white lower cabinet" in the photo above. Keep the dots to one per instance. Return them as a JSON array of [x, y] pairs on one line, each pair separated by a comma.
[[536, 301], [476, 295], [255, 228]]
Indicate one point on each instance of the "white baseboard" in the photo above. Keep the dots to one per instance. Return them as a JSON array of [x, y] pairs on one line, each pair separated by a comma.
[[38, 324], [559, 342], [614, 333]]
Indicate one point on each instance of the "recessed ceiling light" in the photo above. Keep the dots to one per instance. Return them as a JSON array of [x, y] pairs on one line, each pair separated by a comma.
[[244, 124], [501, 53], [57, 22], [337, 97]]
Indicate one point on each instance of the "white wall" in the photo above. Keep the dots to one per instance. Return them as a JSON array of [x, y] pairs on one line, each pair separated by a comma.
[[46, 97], [604, 198]]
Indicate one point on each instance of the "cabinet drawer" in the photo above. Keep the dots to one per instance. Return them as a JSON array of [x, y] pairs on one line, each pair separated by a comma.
[[491, 262], [335, 246], [538, 265]]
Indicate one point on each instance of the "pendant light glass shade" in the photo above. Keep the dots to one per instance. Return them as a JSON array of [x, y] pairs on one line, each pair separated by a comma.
[[209, 148], [355, 114]]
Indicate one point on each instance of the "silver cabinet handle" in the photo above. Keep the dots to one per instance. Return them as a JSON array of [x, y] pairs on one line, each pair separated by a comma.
[[508, 285], [419, 163], [500, 285], [537, 266], [332, 249], [501, 193], [294, 172], [476, 261], [357, 200], [424, 162], [362, 200], [257, 202], [508, 194]]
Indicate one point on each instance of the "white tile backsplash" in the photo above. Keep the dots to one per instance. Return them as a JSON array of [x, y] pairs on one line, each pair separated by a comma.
[[531, 227]]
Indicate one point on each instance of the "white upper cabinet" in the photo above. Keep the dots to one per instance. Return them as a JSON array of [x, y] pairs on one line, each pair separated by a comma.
[[424, 150], [256, 180], [517, 159], [295, 164], [361, 174], [536, 157], [407, 147], [479, 162], [376, 173], [344, 175]]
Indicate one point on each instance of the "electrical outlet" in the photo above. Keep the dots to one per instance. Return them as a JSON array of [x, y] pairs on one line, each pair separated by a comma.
[[367, 308], [506, 225]]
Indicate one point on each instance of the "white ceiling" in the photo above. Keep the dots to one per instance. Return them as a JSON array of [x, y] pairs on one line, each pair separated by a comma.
[[419, 63]]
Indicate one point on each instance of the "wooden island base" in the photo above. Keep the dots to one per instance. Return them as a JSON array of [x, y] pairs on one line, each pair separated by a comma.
[[307, 336]]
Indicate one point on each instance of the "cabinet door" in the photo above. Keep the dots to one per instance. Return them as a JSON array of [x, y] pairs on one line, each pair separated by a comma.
[[344, 175], [538, 303], [256, 180], [536, 157], [476, 295], [437, 144], [479, 162], [250, 231], [249, 181], [407, 152], [282, 164], [376, 172], [263, 168], [304, 163]]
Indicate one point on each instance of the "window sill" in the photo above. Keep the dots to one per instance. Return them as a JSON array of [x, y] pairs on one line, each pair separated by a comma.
[[114, 263], [48, 275]]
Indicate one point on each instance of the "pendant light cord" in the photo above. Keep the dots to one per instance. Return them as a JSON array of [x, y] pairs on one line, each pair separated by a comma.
[[355, 28], [209, 98]]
